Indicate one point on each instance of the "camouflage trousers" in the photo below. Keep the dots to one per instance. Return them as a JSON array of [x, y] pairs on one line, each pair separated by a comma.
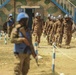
[[9, 30], [58, 39], [37, 37], [67, 38], [22, 64]]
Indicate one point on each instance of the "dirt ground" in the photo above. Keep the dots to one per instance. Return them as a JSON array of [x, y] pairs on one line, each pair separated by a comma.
[[65, 59]]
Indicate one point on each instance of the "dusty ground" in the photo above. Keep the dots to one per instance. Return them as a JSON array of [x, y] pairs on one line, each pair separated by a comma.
[[65, 59]]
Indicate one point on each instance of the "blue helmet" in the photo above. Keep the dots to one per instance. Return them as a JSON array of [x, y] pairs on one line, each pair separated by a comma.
[[22, 15]]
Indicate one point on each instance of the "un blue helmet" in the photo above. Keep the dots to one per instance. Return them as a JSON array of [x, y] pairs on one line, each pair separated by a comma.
[[22, 15]]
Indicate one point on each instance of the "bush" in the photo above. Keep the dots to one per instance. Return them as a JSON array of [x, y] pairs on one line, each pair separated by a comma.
[[52, 9], [8, 7], [24, 2], [47, 1], [3, 16], [73, 1], [35, 1]]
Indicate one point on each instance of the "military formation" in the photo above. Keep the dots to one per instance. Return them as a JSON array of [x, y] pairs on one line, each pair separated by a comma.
[[58, 28], [55, 28]]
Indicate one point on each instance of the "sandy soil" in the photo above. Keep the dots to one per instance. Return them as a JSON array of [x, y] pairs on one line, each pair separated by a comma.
[[65, 59]]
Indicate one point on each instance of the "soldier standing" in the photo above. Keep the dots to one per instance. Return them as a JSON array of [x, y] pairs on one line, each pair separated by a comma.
[[37, 27], [10, 24], [46, 27], [21, 50], [59, 30], [49, 32], [67, 32]]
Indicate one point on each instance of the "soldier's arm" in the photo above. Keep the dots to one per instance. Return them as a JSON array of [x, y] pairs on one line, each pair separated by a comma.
[[33, 24]]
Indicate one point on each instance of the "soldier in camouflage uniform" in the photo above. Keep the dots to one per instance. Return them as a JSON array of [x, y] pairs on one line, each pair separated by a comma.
[[49, 32], [67, 32], [45, 32], [37, 27], [22, 50], [58, 28], [46, 25], [53, 31]]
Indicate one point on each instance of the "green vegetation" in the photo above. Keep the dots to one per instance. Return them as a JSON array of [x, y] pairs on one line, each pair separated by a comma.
[[73, 1], [45, 18], [8, 7], [52, 9], [35, 1], [47, 1], [3, 16], [24, 2]]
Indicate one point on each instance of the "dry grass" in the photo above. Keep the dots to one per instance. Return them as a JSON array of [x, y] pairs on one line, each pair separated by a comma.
[[63, 63]]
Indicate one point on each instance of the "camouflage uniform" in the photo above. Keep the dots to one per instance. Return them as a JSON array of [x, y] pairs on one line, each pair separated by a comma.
[[46, 26], [58, 28], [37, 29], [50, 33], [67, 25]]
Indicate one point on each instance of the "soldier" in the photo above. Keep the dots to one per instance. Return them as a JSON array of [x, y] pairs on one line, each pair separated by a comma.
[[10, 24], [67, 32], [37, 27], [53, 29], [22, 50], [49, 32], [58, 27], [46, 27]]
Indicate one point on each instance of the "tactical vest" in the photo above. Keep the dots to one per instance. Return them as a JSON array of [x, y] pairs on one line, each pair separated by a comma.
[[22, 47]]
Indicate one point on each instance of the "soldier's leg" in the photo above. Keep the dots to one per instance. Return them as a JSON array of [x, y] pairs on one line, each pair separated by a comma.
[[17, 65], [66, 39], [26, 64], [69, 38], [48, 39], [36, 37], [8, 31], [60, 40], [56, 39]]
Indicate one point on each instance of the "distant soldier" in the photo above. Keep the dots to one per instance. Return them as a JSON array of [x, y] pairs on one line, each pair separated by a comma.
[[37, 27], [53, 31], [49, 32], [67, 25], [46, 27], [10, 24], [58, 27]]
